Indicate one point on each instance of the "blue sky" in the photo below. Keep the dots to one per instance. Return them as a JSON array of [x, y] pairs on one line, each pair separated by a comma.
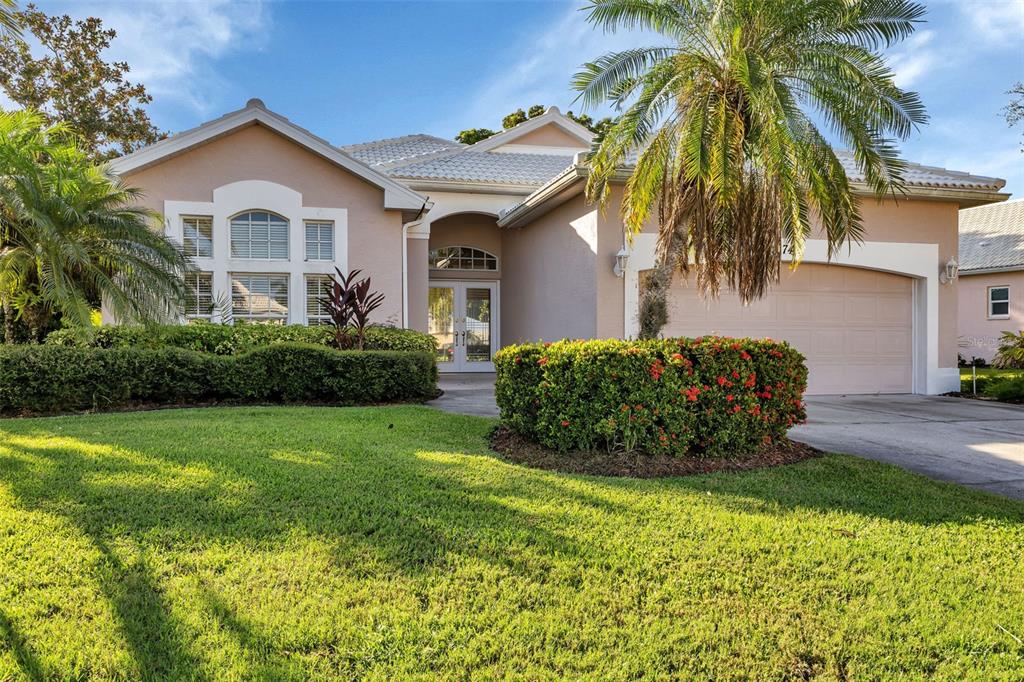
[[356, 71]]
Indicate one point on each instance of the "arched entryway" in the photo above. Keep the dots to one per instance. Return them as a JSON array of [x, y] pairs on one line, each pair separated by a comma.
[[464, 270]]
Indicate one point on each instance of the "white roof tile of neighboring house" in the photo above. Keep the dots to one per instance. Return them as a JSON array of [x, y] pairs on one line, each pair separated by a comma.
[[992, 237], [383, 154], [928, 176], [488, 167]]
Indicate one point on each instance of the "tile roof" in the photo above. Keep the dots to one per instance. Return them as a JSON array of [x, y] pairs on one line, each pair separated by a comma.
[[992, 236], [917, 175], [384, 154], [488, 167]]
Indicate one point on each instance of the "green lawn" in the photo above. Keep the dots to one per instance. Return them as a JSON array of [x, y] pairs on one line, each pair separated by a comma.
[[269, 543], [986, 375]]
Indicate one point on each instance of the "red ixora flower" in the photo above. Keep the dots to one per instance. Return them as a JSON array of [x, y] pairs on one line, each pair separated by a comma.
[[656, 369], [542, 361], [745, 355], [565, 422], [677, 356], [736, 408], [729, 398], [722, 381]]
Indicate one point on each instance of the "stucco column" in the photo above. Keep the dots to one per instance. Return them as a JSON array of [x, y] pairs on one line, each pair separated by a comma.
[[418, 275]]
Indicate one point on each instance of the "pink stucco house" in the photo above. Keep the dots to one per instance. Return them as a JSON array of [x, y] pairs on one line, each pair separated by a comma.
[[494, 243], [991, 286]]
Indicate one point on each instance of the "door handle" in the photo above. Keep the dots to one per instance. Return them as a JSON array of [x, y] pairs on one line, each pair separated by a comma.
[[463, 338]]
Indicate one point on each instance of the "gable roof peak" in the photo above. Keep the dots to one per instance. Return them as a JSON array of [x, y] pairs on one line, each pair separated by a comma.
[[255, 102]]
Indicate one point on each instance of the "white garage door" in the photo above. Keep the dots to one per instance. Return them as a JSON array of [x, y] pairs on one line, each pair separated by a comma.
[[853, 325]]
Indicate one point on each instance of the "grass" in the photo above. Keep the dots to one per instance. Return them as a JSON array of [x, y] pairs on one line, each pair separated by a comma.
[[986, 375], [277, 543]]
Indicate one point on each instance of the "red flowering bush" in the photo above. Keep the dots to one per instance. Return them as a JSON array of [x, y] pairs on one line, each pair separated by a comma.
[[709, 397]]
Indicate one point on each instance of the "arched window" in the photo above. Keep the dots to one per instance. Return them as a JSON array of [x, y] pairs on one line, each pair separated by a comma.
[[462, 258], [259, 234]]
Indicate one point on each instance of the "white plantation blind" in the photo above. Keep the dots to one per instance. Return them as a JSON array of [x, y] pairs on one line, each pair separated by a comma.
[[197, 233], [317, 287], [199, 299], [319, 240], [259, 297], [259, 234]]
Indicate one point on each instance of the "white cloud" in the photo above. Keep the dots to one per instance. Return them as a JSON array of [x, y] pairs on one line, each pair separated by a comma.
[[998, 22], [543, 75], [169, 45], [914, 59]]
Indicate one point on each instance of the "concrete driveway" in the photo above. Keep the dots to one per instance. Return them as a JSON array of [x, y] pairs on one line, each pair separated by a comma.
[[973, 442]]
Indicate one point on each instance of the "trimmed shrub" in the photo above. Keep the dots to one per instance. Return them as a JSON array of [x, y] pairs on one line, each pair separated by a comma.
[[711, 396], [1007, 389], [46, 379], [223, 339]]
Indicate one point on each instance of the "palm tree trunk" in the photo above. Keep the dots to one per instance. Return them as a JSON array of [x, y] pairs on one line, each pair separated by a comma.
[[8, 321], [653, 314]]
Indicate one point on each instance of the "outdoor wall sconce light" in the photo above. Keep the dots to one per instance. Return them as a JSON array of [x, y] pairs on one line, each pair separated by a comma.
[[621, 259], [950, 272]]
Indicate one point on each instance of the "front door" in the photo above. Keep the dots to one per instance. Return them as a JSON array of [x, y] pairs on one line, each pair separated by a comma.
[[462, 316]]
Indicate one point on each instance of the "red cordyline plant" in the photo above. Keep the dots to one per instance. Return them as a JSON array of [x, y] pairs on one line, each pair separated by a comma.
[[349, 303]]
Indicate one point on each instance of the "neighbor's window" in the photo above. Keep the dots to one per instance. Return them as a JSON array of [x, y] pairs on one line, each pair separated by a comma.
[[199, 297], [999, 301], [317, 288], [197, 233], [462, 258], [260, 297], [319, 240], [259, 234]]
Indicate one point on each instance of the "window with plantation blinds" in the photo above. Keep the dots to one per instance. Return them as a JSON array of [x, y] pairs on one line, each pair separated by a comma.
[[199, 295], [259, 297], [319, 240], [259, 235], [317, 289], [197, 234]]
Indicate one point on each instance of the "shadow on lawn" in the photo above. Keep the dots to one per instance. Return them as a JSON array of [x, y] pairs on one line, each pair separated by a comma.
[[414, 510], [187, 479]]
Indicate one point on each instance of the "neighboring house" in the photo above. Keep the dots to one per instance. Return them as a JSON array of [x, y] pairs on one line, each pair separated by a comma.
[[494, 243], [991, 286]]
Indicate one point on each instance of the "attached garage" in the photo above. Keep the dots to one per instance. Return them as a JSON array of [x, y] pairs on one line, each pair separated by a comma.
[[855, 326]]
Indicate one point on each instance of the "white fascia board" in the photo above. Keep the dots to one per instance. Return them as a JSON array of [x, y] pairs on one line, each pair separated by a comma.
[[552, 115], [990, 271], [396, 195]]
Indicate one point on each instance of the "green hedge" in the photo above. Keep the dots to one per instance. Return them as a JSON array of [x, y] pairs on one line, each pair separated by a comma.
[[223, 339], [711, 396], [46, 379]]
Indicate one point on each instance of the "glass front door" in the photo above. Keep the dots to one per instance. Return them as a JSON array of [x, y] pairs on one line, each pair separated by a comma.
[[462, 318]]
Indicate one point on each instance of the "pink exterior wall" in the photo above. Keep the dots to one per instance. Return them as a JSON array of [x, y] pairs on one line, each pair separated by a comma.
[[256, 153], [549, 136], [549, 289], [978, 334]]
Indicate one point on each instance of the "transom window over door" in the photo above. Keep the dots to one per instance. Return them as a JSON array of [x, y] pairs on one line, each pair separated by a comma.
[[259, 235], [259, 297], [462, 258], [999, 302]]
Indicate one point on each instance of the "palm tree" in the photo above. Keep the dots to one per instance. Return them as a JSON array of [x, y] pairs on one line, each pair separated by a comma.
[[71, 236], [9, 22], [720, 126]]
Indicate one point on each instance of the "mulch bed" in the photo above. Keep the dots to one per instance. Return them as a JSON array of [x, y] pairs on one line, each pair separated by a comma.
[[520, 450]]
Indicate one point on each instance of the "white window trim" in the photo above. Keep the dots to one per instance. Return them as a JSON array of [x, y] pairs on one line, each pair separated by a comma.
[[245, 195], [989, 302]]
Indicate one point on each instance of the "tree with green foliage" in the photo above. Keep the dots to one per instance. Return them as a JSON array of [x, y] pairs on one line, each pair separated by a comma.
[[512, 120], [70, 82], [722, 116], [474, 135], [1014, 110], [71, 236]]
